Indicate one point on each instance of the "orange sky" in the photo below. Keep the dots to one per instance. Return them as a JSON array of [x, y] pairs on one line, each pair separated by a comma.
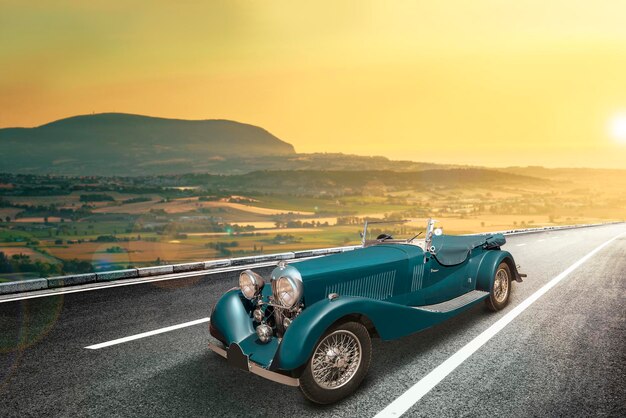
[[477, 82]]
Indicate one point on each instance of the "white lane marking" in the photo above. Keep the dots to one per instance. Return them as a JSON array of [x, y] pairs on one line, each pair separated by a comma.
[[540, 240], [409, 398], [521, 245], [147, 334]]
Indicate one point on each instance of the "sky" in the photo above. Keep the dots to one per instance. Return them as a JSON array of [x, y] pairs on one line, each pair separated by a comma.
[[480, 82]]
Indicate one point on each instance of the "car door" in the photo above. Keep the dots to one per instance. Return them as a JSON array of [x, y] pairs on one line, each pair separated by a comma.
[[442, 283]]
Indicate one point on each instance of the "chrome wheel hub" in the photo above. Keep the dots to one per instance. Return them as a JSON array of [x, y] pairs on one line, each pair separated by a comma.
[[336, 359], [501, 286]]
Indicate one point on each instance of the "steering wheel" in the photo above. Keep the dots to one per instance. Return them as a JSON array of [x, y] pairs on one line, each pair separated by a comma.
[[383, 237]]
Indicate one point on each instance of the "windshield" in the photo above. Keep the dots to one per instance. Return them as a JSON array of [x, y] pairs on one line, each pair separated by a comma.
[[393, 230]]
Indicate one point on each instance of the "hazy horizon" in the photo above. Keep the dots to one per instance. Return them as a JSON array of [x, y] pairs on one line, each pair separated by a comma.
[[398, 157]]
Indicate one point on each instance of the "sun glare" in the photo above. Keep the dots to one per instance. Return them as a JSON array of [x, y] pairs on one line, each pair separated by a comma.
[[618, 128]]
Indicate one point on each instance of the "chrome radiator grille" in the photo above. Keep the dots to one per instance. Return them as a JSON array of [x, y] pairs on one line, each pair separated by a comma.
[[376, 286]]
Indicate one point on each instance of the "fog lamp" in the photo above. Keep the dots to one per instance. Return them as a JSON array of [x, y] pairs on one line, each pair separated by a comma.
[[264, 332]]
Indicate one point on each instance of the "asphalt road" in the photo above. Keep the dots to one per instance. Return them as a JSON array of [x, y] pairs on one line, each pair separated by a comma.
[[563, 356]]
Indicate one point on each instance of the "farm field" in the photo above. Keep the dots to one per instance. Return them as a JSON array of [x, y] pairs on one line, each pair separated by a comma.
[[203, 245], [131, 253], [35, 255], [192, 204], [102, 229]]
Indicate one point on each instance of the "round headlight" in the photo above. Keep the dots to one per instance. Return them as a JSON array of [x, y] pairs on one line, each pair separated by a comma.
[[288, 291], [250, 283]]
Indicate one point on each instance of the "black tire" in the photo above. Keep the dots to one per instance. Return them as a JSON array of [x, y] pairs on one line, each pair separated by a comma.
[[497, 300], [310, 386]]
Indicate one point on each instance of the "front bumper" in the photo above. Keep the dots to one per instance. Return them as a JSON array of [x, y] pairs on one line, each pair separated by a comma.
[[238, 359]]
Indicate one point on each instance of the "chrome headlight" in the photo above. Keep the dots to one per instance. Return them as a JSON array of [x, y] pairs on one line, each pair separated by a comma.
[[287, 291], [250, 283]]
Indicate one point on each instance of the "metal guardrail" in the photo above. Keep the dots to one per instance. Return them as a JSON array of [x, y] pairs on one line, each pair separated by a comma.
[[30, 285], [520, 231]]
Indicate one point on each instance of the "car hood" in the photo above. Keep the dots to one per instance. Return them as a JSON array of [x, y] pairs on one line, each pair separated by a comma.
[[369, 272]]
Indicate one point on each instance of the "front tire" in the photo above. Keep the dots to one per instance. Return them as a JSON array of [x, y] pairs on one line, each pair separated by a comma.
[[339, 363], [500, 288]]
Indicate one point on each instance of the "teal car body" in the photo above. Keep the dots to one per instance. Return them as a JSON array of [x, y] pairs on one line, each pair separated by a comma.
[[393, 288]]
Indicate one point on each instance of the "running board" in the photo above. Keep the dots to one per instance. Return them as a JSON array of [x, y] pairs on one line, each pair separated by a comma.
[[456, 303]]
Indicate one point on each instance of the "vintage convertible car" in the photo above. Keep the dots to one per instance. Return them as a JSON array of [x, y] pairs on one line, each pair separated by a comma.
[[312, 325]]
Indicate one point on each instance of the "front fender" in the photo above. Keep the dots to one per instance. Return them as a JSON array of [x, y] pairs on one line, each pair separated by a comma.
[[390, 320], [486, 270], [230, 318]]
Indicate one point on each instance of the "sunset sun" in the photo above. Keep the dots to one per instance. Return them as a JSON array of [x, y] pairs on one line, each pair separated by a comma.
[[618, 128]]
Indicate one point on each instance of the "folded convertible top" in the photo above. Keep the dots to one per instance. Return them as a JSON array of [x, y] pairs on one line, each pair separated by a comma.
[[451, 250]]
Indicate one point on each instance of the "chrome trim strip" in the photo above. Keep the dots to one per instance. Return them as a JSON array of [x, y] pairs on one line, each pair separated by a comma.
[[260, 371], [453, 304], [273, 376]]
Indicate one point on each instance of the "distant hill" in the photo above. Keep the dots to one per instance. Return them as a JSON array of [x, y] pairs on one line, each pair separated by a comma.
[[118, 144], [124, 144], [332, 182], [577, 179], [317, 162]]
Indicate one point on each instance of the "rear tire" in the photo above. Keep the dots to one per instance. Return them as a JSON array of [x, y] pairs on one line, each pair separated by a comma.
[[500, 288], [339, 363]]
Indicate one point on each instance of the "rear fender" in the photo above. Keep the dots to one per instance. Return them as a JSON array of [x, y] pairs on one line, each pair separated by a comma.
[[486, 270]]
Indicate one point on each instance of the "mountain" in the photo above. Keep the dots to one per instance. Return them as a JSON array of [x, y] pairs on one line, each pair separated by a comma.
[[124, 144], [118, 144]]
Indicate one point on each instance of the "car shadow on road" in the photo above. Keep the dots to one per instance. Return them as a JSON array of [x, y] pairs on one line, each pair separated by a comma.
[[427, 349], [205, 385]]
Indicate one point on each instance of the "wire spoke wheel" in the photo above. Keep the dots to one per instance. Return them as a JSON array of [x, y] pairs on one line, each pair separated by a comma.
[[338, 363], [336, 359], [501, 285], [500, 288]]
